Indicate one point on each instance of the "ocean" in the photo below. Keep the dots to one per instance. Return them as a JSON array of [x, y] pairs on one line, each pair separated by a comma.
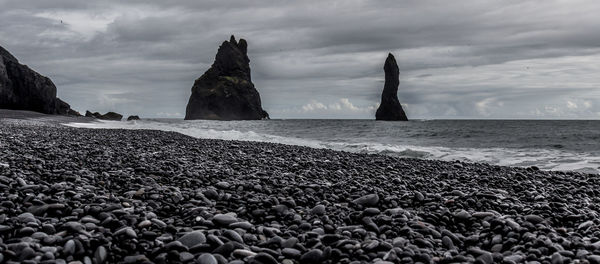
[[572, 145]]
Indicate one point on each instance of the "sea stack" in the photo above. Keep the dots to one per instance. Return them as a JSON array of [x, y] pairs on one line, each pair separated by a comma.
[[390, 108], [21, 88], [225, 91], [108, 116]]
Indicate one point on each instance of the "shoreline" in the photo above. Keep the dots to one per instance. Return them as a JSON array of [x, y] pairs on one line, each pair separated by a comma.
[[35, 118], [468, 155], [136, 196]]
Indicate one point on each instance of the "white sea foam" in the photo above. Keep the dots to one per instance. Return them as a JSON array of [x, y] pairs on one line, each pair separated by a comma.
[[548, 159]]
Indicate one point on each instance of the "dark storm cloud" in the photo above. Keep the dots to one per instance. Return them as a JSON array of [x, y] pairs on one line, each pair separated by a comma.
[[318, 58]]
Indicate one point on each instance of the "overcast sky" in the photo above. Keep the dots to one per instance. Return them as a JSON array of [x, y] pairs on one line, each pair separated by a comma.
[[319, 59]]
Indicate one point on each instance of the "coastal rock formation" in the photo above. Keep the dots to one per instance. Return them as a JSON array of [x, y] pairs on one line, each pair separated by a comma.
[[390, 108], [21, 88], [225, 91], [133, 117], [112, 116]]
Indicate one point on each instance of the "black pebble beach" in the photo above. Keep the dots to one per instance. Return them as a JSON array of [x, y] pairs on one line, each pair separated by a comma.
[[123, 196]]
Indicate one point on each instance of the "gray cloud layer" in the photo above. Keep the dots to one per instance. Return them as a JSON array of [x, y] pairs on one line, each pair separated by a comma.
[[459, 59]]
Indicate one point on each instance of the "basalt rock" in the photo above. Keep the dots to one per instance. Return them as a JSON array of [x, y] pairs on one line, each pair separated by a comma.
[[226, 91], [390, 108], [133, 117], [108, 116], [21, 88], [90, 114]]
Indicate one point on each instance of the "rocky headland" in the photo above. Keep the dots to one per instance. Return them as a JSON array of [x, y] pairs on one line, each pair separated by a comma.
[[226, 91], [21, 88], [112, 116], [390, 108], [123, 196]]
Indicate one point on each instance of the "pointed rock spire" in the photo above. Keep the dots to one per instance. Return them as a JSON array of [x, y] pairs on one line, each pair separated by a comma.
[[390, 108], [226, 91]]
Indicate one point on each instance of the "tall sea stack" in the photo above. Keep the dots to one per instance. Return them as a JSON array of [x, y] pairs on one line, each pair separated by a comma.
[[21, 88], [390, 108], [225, 91]]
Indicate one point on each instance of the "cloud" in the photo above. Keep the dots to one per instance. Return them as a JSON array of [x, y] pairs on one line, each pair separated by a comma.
[[343, 104], [476, 59], [169, 115], [341, 108], [314, 105]]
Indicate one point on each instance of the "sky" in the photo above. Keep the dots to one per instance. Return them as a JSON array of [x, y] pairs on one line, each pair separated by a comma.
[[536, 59]]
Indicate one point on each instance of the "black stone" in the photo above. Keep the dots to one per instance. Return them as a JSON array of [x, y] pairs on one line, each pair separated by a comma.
[[133, 117], [108, 116], [226, 91], [390, 108], [21, 88]]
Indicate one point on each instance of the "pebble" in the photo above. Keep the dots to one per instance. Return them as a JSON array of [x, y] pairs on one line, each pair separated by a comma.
[[100, 255], [486, 258], [69, 247], [462, 215], [207, 258], [192, 238], [367, 200], [318, 210], [291, 253], [127, 232], [264, 258], [242, 253], [312, 256], [224, 219], [585, 224], [535, 219]]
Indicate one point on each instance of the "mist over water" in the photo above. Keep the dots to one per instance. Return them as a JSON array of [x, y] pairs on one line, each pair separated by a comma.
[[548, 144]]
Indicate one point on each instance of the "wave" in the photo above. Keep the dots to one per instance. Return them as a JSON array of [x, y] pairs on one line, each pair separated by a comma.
[[548, 159]]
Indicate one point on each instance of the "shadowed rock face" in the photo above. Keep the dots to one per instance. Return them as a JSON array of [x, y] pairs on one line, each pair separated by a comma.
[[108, 116], [390, 108], [225, 91], [21, 88]]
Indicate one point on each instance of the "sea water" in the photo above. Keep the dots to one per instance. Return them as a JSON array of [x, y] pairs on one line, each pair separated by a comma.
[[548, 144]]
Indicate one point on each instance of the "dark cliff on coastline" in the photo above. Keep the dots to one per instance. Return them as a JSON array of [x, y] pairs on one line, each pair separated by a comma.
[[390, 108], [108, 116], [226, 91], [21, 88]]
